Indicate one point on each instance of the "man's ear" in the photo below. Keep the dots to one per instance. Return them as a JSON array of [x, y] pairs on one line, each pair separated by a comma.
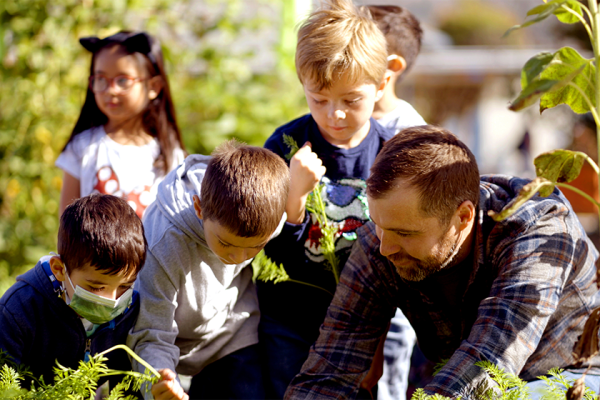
[[466, 214], [155, 86], [197, 206], [58, 268], [396, 64]]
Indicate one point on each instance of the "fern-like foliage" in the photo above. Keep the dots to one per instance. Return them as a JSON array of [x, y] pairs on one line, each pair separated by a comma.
[[557, 386], [511, 387], [266, 270], [292, 145], [79, 384], [438, 366], [505, 381], [329, 232], [316, 206]]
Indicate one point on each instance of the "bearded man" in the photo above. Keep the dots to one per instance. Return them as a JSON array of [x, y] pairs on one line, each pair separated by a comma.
[[515, 292]]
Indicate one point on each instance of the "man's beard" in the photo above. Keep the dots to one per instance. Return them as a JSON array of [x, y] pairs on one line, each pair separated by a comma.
[[416, 270]]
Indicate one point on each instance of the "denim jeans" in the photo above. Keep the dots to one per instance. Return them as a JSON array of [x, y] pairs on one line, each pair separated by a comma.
[[284, 351], [236, 376], [397, 351]]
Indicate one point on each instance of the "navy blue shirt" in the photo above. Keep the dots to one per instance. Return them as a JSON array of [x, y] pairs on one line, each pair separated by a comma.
[[299, 306]]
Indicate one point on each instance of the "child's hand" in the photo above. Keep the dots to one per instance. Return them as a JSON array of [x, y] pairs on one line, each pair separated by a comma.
[[168, 388], [306, 170]]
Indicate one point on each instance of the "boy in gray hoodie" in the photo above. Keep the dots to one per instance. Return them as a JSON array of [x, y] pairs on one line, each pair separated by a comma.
[[199, 311]]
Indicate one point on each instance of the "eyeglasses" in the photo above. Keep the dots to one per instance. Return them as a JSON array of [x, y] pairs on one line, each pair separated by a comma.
[[121, 84]]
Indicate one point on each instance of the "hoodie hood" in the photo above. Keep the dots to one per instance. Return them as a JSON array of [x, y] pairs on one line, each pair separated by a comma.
[[175, 196]]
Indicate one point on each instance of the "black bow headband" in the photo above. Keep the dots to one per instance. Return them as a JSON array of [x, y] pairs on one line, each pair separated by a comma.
[[139, 42]]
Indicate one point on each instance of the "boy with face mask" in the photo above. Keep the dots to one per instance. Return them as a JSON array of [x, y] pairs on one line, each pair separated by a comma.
[[79, 302]]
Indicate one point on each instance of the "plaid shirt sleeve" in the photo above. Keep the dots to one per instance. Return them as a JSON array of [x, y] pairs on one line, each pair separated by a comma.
[[356, 320], [538, 301]]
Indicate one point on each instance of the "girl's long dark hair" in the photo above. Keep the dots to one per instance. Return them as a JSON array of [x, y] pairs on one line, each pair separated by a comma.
[[159, 117]]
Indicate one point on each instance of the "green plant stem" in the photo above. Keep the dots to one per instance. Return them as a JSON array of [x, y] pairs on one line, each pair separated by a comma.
[[581, 19], [593, 164], [595, 21], [309, 284], [135, 356], [579, 191]]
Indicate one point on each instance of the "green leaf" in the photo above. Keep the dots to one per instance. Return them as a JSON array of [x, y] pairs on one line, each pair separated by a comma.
[[531, 93], [542, 185], [554, 7], [550, 77], [543, 11], [565, 16], [559, 165], [534, 67], [568, 66]]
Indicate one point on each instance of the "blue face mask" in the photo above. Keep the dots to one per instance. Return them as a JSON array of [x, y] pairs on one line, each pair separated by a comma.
[[97, 309]]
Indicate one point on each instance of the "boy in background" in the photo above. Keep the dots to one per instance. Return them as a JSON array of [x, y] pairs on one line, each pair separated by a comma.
[[341, 61], [403, 35], [79, 302], [199, 312]]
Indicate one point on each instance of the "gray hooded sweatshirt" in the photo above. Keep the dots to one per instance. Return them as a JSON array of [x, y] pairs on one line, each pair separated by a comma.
[[194, 308]]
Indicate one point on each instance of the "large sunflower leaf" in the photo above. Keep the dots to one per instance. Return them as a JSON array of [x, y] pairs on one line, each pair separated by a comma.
[[568, 66], [559, 165]]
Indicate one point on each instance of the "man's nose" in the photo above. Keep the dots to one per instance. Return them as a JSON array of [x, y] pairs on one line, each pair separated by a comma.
[[387, 246]]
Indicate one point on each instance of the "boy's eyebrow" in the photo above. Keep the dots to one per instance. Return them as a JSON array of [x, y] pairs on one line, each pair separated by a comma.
[[349, 93], [97, 282], [232, 245]]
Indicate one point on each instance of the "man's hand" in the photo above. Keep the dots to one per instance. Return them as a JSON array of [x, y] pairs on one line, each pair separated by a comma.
[[306, 170], [168, 388]]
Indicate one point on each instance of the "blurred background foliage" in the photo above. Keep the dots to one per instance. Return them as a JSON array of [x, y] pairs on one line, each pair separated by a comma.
[[230, 64], [479, 23]]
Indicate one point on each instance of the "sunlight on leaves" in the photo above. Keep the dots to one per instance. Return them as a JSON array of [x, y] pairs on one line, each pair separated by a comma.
[[532, 93], [534, 67], [559, 165], [561, 13], [554, 7], [541, 185], [568, 66], [564, 77]]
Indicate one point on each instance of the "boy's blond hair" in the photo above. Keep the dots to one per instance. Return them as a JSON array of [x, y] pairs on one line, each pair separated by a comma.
[[245, 189], [340, 38]]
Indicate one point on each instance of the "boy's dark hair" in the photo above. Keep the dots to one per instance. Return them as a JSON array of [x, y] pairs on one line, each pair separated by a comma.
[[401, 29], [245, 189], [104, 232], [435, 162], [159, 117]]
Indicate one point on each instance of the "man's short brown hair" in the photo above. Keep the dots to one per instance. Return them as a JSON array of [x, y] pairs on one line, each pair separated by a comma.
[[340, 38], [435, 162], [104, 232], [402, 31], [245, 189]]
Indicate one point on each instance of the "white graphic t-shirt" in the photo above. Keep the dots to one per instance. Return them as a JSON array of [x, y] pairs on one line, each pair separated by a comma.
[[105, 166]]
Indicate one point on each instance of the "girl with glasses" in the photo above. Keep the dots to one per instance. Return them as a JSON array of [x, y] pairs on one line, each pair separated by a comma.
[[126, 138]]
